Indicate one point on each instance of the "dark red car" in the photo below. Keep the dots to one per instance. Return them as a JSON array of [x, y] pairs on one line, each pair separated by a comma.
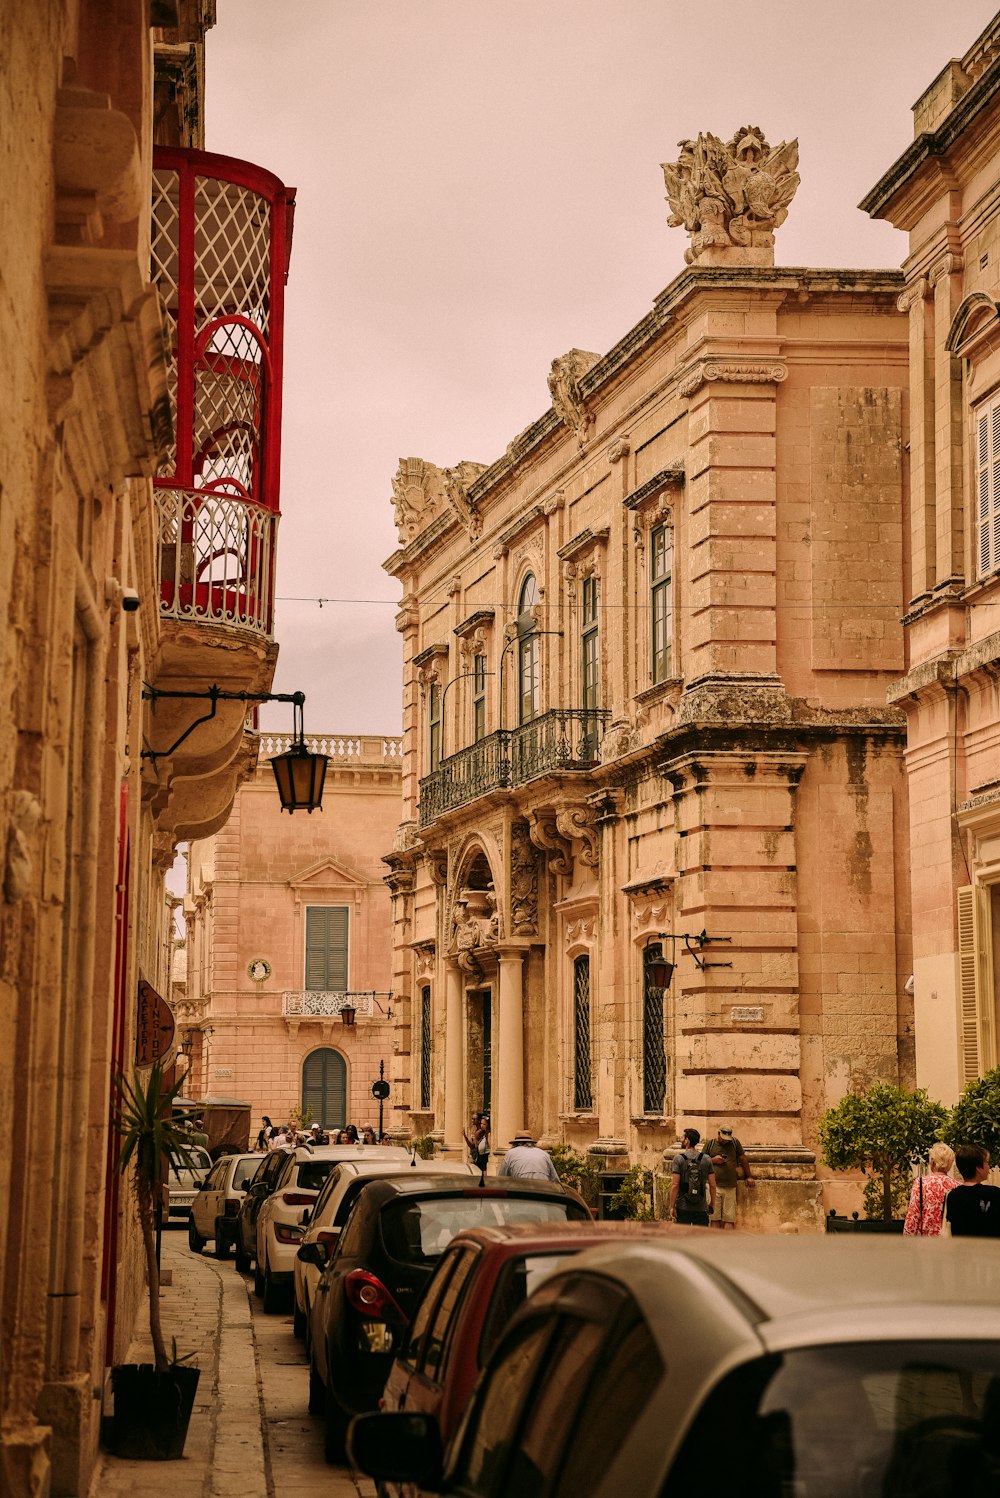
[[484, 1276]]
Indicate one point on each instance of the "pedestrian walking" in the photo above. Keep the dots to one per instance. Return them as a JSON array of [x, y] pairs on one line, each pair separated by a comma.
[[731, 1166], [526, 1162], [479, 1143], [925, 1213], [972, 1210], [692, 1182], [265, 1133]]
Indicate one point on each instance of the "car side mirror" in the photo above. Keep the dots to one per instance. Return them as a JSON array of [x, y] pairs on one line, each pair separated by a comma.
[[312, 1253], [397, 1447]]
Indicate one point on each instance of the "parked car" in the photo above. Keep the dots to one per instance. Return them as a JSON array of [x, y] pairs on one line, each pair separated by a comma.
[[323, 1222], [397, 1230], [184, 1179], [279, 1225], [722, 1363], [214, 1208], [483, 1277], [259, 1189]]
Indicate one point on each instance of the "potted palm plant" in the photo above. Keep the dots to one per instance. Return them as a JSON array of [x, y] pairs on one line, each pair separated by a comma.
[[153, 1401]]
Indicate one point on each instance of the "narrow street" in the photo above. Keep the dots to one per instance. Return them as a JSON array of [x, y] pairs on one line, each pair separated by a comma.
[[250, 1433]]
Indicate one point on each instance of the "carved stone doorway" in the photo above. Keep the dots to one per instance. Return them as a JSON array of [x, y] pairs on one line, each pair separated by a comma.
[[479, 1004]]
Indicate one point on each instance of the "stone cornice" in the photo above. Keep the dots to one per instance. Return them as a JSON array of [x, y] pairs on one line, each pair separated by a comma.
[[430, 653], [506, 540], [474, 621], [581, 542], [672, 475]]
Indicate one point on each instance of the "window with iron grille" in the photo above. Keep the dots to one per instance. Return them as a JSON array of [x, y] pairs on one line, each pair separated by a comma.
[[988, 488], [527, 651], [434, 723], [425, 1049], [326, 947], [654, 1060], [661, 550], [478, 698], [590, 642], [583, 1087]]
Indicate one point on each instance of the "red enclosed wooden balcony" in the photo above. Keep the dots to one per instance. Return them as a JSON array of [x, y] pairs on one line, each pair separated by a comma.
[[221, 240]]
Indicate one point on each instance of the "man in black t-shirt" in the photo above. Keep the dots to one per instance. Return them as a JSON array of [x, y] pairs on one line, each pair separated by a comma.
[[972, 1210]]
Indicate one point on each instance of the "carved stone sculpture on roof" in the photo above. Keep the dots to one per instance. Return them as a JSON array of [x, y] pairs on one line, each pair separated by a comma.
[[457, 482], [564, 388], [418, 496], [731, 196]]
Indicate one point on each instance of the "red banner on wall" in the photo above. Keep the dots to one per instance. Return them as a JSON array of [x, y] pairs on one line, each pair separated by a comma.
[[154, 1030]]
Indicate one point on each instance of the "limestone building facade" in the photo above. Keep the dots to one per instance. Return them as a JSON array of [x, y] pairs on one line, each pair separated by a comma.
[[288, 925], [653, 868], [132, 435], [945, 192]]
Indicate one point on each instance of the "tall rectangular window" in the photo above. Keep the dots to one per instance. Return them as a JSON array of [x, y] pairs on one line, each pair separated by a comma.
[[434, 724], [654, 1060], [661, 550], [425, 1050], [478, 698], [988, 489], [326, 947], [590, 644], [583, 1086]]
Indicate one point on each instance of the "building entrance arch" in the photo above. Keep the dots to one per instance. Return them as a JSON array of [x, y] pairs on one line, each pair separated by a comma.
[[324, 1087]]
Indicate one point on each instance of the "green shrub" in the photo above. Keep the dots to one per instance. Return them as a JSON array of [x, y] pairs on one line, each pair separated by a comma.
[[881, 1129], [424, 1146], [634, 1198], [576, 1170], [975, 1118]]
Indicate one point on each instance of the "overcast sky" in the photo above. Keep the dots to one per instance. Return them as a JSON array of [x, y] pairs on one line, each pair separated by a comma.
[[479, 190]]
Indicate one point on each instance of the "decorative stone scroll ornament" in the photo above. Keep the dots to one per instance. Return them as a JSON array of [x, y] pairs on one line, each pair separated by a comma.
[[579, 822], [436, 861], [457, 482], [731, 196], [736, 371], [549, 840], [564, 387], [917, 291], [421, 492], [523, 882]]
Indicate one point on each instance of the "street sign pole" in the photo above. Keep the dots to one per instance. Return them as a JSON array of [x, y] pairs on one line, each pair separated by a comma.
[[380, 1090]]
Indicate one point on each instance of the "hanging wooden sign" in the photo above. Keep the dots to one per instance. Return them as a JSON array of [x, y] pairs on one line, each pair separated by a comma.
[[154, 1030]]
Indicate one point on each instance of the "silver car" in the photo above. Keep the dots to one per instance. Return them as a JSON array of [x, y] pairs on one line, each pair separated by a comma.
[[775, 1367], [184, 1180]]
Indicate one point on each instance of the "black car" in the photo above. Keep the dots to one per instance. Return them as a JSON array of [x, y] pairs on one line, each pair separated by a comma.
[[398, 1229], [258, 1191]]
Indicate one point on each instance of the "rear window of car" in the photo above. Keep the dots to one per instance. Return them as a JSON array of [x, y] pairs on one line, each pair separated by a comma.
[[901, 1418], [197, 1161], [419, 1230], [312, 1174], [515, 1282]]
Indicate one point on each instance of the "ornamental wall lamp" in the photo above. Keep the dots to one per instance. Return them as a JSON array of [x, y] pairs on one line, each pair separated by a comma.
[[659, 971], [299, 774], [348, 1015]]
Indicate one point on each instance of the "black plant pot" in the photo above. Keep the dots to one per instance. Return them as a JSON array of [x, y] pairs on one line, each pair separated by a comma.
[[835, 1224], [152, 1411]]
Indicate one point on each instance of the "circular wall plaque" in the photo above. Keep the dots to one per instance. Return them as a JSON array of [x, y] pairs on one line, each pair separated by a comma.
[[259, 969]]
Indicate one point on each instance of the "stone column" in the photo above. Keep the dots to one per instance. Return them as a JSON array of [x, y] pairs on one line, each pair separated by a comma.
[[454, 1035], [508, 1051]]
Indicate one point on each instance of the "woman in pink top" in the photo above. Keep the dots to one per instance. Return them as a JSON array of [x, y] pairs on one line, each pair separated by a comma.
[[923, 1217]]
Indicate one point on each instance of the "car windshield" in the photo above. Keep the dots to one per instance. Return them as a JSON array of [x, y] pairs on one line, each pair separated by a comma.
[[515, 1282], [896, 1420], [197, 1161], [244, 1173], [418, 1231], [312, 1174]]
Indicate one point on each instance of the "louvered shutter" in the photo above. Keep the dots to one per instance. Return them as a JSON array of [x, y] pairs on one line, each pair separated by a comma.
[[988, 490], [324, 1088], [976, 1000], [326, 947]]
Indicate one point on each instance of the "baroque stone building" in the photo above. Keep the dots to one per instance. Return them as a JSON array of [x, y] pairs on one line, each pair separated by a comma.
[[945, 192], [653, 867], [140, 314], [288, 926]]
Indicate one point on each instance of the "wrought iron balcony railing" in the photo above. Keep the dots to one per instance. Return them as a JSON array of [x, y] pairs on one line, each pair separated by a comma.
[[220, 245], [325, 1003], [564, 739]]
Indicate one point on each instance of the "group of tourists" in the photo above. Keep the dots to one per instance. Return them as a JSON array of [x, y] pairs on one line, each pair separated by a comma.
[[287, 1135], [703, 1182]]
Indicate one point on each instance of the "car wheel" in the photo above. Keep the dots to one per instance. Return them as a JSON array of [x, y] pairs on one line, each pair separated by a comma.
[[334, 1430], [317, 1392], [258, 1280], [242, 1258], [221, 1241], [298, 1322], [274, 1296], [195, 1241]]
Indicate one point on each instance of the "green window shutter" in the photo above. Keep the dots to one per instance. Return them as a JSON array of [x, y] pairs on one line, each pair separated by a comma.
[[975, 971], [326, 947]]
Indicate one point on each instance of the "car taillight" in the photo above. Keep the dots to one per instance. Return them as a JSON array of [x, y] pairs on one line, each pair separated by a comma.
[[328, 1240], [298, 1198], [232, 1209], [369, 1296], [285, 1234]]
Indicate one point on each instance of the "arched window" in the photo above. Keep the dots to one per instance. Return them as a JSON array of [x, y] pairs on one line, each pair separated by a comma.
[[324, 1088], [527, 650]]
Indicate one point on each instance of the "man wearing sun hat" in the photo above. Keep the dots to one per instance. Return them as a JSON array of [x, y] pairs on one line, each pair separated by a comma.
[[525, 1161], [731, 1166]]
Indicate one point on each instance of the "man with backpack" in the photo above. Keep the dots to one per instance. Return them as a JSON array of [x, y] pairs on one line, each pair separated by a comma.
[[692, 1182]]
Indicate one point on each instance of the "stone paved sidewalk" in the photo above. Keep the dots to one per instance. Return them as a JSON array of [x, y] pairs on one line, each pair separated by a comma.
[[231, 1450]]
